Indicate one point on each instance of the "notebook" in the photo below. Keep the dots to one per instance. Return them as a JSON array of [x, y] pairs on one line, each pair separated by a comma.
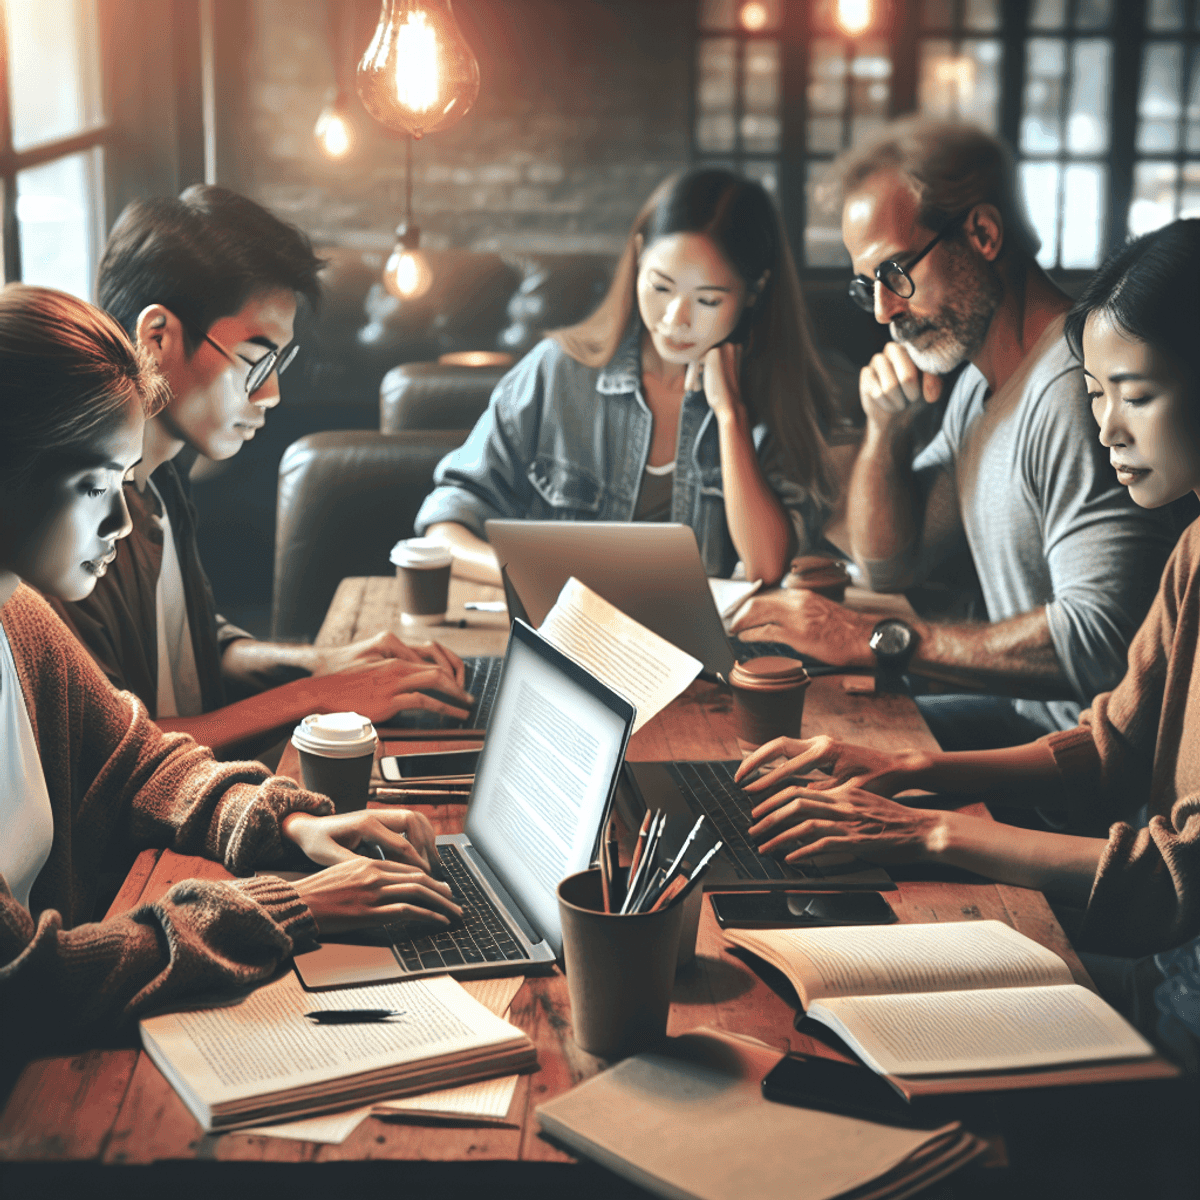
[[684, 790], [652, 572], [543, 787]]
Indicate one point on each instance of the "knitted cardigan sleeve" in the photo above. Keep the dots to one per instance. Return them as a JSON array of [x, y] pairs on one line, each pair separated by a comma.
[[114, 778]]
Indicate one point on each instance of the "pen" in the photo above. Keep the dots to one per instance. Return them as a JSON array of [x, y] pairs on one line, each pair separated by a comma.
[[605, 870], [687, 841], [700, 868], [634, 886], [640, 847], [613, 846], [652, 888], [352, 1016], [670, 892]]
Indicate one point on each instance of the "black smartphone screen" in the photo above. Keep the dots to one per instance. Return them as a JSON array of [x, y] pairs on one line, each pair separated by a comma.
[[838, 1087], [783, 910], [395, 767]]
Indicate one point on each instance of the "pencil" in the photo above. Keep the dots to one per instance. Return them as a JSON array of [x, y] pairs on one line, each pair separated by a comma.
[[641, 845], [670, 892], [433, 794], [645, 863], [616, 892]]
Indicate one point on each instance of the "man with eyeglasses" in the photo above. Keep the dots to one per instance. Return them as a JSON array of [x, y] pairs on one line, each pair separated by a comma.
[[207, 285], [944, 255]]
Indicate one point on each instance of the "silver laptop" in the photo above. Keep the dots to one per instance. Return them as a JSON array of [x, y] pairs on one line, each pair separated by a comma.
[[651, 572], [543, 788]]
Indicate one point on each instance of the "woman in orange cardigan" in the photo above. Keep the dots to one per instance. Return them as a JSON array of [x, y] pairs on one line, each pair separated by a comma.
[[86, 777]]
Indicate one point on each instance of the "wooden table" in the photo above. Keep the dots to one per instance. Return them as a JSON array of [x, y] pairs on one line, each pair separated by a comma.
[[111, 1106]]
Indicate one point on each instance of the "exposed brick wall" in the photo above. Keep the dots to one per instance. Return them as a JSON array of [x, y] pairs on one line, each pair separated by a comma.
[[583, 108]]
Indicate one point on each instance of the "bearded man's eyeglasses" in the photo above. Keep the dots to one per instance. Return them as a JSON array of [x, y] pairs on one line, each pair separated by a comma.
[[894, 276]]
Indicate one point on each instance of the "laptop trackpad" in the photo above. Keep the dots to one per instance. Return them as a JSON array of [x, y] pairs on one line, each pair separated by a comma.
[[337, 965]]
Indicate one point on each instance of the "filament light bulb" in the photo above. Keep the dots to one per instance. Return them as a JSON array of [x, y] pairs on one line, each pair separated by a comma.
[[854, 16], [333, 131], [408, 273], [418, 75]]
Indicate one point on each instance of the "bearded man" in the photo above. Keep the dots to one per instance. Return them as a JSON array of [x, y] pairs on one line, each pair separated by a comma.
[[1067, 563]]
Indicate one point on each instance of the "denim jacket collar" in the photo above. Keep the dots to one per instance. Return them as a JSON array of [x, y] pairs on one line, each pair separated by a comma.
[[623, 372]]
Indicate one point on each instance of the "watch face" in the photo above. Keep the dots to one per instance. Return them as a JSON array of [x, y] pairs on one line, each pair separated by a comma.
[[891, 639]]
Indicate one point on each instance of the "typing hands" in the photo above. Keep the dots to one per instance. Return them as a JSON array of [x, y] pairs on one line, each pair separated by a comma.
[[382, 647], [355, 890], [381, 689], [879, 771], [811, 623]]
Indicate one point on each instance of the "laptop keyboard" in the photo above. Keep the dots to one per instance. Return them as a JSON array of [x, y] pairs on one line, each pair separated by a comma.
[[481, 678], [483, 937], [708, 787]]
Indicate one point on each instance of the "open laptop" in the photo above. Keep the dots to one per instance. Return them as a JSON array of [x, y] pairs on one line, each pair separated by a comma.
[[652, 572], [685, 790], [543, 787]]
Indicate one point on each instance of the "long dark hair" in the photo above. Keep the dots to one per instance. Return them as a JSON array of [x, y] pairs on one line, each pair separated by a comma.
[[783, 381], [1151, 290], [67, 375]]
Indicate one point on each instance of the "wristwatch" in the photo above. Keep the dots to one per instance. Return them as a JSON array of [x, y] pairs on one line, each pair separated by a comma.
[[893, 642]]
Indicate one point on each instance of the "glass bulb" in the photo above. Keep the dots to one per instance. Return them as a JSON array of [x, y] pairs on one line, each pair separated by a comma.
[[408, 273], [854, 16], [333, 131], [418, 75]]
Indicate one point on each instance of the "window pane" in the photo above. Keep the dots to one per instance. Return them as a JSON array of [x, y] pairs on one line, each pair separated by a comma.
[[718, 14], [53, 69], [761, 128], [1193, 108], [823, 233], [765, 173], [57, 206], [1041, 126], [1158, 105], [826, 96], [1164, 15], [1093, 14], [870, 78], [1153, 202], [824, 135], [1087, 124], [759, 16], [1047, 14], [964, 85], [1083, 200], [715, 132], [981, 14], [1189, 200], [937, 14], [1039, 183]]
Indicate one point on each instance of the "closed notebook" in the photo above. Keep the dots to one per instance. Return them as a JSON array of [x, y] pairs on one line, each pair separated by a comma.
[[690, 1123], [952, 1007]]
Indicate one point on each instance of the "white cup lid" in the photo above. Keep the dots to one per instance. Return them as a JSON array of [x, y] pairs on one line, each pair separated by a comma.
[[420, 552], [335, 735]]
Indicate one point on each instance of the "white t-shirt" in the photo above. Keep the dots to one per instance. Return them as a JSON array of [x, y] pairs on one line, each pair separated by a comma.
[[178, 681], [25, 816]]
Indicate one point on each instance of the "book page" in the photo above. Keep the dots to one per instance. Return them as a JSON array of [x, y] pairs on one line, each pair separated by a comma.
[[729, 594], [264, 1044], [869, 960], [646, 669], [1004, 1029]]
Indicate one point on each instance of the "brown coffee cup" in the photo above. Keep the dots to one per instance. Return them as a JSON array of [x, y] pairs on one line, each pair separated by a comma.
[[337, 751], [827, 577], [423, 574], [768, 699]]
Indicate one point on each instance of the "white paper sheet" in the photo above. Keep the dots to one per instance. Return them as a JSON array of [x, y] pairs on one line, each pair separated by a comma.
[[623, 653]]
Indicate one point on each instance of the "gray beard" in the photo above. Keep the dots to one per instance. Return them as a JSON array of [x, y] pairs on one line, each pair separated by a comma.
[[939, 344]]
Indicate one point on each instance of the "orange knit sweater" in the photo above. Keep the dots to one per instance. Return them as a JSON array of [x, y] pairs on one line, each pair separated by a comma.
[[1140, 745], [115, 780]]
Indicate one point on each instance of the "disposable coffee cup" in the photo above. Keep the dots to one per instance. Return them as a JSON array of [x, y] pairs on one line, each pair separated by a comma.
[[827, 577], [423, 573], [768, 699], [620, 969], [336, 754]]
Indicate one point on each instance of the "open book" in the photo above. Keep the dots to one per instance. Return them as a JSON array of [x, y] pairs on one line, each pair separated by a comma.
[[951, 999], [258, 1058]]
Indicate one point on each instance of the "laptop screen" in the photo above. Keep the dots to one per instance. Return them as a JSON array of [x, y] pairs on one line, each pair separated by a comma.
[[549, 764]]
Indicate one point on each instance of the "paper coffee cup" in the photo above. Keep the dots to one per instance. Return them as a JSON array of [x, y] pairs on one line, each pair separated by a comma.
[[336, 754], [423, 573], [768, 699]]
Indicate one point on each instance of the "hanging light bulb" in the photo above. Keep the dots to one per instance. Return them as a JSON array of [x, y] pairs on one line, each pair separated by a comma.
[[854, 16], [418, 75], [333, 131], [408, 273]]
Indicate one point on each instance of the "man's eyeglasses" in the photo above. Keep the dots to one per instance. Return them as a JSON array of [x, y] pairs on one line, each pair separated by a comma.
[[277, 360], [893, 276]]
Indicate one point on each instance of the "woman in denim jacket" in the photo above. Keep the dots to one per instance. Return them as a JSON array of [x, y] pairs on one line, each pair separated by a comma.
[[704, 405]]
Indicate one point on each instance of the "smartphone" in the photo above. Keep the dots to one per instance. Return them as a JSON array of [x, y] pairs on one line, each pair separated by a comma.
[[847, 1088], [786, 910], [397, 767]]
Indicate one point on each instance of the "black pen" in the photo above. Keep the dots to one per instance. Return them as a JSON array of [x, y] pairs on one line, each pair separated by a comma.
[[352, 1016]]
